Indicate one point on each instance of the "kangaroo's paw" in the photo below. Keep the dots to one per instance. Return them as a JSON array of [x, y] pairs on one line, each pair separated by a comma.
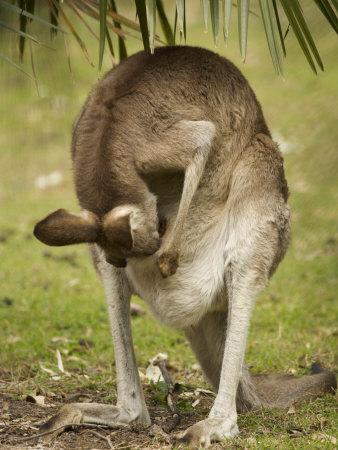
[[168, 263], [203, 433], [92, 413]]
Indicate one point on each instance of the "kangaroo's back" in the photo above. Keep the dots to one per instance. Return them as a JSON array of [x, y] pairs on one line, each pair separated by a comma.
[[144, 96]]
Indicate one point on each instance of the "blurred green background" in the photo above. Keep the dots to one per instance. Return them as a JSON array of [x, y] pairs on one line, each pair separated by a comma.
[[51, 298]]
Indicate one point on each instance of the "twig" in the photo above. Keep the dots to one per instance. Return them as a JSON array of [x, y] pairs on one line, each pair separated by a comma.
[[101, 436], [162, 364]]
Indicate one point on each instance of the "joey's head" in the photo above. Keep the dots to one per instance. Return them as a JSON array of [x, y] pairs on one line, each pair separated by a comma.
[[121, 233]]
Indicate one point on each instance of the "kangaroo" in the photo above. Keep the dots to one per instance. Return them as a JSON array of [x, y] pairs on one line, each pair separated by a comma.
[[184, 202]]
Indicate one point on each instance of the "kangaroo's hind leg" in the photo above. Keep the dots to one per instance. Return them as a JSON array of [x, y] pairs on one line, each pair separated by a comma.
[[184, 146], [130, 407]]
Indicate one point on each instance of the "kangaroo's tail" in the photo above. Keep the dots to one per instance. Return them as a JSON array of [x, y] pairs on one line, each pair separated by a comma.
[[281, 391]]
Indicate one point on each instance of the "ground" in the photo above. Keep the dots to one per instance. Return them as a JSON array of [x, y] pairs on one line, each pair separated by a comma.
[[51, 300]]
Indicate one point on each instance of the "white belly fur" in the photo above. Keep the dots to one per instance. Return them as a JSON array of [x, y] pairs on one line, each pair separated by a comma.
[[197, 287]]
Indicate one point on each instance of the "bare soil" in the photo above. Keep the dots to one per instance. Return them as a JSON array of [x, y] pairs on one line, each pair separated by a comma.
[[20, 420]]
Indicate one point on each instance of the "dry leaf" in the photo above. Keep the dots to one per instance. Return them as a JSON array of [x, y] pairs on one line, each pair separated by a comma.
[[59, 360], [154, 374]]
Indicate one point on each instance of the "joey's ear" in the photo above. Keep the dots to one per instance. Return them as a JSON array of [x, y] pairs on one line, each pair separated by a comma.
[[116, 228], [63, 228]]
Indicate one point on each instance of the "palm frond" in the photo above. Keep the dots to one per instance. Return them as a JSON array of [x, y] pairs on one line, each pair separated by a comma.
[[227, 8], [103, 29], [214, 14], [166, 28], [272, 12], [272, 35], [117, 24], [243, 18], [142, 17]]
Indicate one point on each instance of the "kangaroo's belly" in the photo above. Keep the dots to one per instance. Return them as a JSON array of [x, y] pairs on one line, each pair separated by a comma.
[[196, 288]]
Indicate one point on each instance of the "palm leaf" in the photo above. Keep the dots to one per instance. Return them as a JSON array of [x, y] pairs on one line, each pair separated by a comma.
[[181, 18], [29, 5], [326, 9], [205, 13], [12, 63], [243, 16], [227, 7], [71, 4], [26, 13], [56, 4], [122, 45], [19, 32], [103, 29], [214, 14], [166, 28], [54, 16], [280, 32], [305, 29], [288, 7], [151, 19], [142, 17], [271, 32]]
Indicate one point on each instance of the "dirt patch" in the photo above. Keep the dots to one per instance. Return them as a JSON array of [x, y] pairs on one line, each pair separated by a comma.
[[20, 419]]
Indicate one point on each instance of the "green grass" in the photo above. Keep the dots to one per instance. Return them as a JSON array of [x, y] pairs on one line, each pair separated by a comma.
[[295, 319]]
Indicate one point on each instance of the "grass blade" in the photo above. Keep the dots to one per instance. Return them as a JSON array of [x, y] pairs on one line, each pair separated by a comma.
[[335, 4], [271, 32], [214, 14], [151, 19], [243, 16], [103, 29], [328, 12], [166, 28], [122, 45], [142, 17]]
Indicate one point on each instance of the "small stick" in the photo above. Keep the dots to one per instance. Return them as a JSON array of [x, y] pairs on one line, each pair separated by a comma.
[[101, 436], [160, 361]]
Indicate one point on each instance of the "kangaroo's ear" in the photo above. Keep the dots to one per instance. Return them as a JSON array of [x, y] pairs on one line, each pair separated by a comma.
[[64, 228]]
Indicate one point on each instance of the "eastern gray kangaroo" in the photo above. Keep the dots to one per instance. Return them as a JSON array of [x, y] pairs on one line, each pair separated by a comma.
[[184, 202]]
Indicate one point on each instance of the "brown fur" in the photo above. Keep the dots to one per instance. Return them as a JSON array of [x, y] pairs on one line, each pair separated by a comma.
[[133, 145]]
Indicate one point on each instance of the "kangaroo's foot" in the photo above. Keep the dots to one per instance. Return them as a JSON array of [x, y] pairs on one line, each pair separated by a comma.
[[168, 262], [203, 433], [93, 413]]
